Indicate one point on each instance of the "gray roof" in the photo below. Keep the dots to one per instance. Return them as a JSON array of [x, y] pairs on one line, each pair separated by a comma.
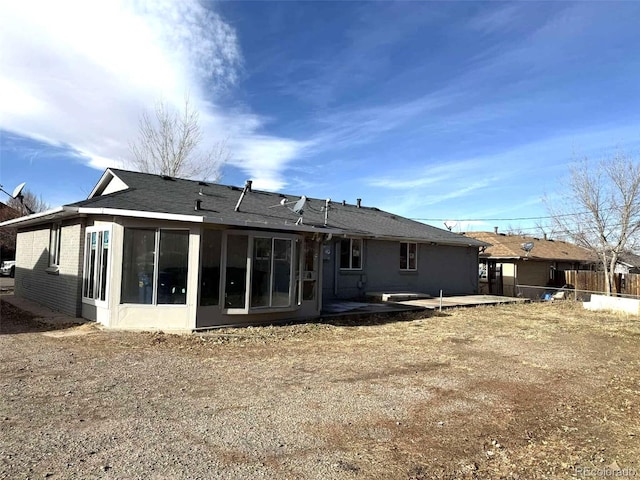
[[631, 259], [260, 209]]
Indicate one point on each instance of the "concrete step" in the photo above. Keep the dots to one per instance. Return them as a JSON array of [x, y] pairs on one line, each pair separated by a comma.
[[397, 296]]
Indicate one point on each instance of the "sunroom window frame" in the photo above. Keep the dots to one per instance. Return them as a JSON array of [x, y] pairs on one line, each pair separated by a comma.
[[87, 251], [293, 268], [156, 261]]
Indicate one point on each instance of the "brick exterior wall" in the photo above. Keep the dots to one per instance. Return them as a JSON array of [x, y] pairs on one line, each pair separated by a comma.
[[59, 291]]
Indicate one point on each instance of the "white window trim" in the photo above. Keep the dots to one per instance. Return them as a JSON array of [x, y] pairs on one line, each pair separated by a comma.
[[156, 256], [350, 268], [87, 250], [251, 235], [292, 278], [407, 268]]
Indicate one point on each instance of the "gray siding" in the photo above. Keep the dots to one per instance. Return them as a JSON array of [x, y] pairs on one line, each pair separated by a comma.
[[454, 270], [59, 291]]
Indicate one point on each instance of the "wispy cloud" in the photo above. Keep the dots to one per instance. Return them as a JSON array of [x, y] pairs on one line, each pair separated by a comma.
[[498, 18], [529, 170], [77, 75]]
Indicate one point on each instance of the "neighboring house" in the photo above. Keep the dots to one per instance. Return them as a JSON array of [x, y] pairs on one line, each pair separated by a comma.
[[7, 235], [628, 263], [518, 265], [154, 252]]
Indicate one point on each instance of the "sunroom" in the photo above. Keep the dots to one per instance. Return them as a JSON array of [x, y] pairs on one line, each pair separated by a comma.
[[172, 277]]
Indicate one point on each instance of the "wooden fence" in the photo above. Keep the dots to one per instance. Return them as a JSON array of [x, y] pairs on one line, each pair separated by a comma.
[[627, 284]]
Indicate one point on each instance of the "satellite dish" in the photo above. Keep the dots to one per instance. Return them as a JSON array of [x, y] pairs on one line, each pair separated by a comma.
[[18, 190], [450, 224], [299, 206], [527, 247], [283, 202]]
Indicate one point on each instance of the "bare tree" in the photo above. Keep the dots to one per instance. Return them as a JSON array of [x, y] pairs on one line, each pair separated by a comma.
[[169, 141], [29, 203], [14, 208], [7, 234], [601, 209]]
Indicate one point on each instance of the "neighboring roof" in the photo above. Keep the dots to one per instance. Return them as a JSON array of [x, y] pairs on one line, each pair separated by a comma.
[[505, 246], [146, 195], [630, 259], [7, 212]]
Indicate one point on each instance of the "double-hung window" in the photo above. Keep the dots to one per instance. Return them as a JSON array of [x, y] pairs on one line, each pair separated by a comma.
[[408, 256], [155, 266], [351, 254]]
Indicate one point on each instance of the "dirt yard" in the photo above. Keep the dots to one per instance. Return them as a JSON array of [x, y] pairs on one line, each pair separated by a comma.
[[515, 392]]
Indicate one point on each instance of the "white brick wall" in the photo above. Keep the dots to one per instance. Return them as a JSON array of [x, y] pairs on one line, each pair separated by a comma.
[[61, 291]]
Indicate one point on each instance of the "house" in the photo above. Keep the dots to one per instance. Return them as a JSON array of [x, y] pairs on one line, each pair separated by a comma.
[[154, 252], [520, 265], [7, 235], [628, 262]]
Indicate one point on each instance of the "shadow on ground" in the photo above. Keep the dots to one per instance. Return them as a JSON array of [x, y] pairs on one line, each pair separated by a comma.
[[14, 320], [357, 319]]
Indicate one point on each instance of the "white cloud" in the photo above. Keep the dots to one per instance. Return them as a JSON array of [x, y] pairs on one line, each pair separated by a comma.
[[78, 74], [265, 158]]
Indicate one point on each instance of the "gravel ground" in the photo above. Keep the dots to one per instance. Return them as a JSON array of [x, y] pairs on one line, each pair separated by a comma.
[[521, 391]]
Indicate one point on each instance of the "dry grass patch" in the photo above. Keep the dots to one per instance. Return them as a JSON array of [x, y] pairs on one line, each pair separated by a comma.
[[510, 391]]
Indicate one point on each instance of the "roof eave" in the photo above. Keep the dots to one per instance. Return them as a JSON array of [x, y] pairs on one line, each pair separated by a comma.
[[42, 217], [140, 214]]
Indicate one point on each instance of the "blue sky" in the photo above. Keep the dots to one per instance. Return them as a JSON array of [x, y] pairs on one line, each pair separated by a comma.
[[466, 111]]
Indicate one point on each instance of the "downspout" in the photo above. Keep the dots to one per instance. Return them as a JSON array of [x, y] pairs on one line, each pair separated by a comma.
[[336, 269], [319, 252]]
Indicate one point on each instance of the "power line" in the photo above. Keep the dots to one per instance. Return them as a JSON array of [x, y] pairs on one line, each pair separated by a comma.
[[498, 219], [543, 217]]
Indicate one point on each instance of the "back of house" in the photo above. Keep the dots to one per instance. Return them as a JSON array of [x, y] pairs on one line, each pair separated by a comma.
[[148, 251]]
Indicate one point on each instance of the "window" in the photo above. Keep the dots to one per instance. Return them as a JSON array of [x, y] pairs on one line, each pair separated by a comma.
[[210, 272], [482, 270], [96, 263], [155, 266], [271, 272], [259, 272], [408, 256], [172, 269], [351, 254], [54, 245], [281, 278], [236, 271]]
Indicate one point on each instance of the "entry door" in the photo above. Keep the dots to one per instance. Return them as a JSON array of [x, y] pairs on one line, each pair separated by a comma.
[[496, 286], [328, 269], [310, 271]]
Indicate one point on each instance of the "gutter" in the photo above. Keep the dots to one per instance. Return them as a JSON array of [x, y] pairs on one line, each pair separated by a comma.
[[41, 217], [140, 214]]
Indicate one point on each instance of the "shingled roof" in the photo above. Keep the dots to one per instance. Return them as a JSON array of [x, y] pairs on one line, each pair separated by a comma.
[[505, 246], [156, 194]]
